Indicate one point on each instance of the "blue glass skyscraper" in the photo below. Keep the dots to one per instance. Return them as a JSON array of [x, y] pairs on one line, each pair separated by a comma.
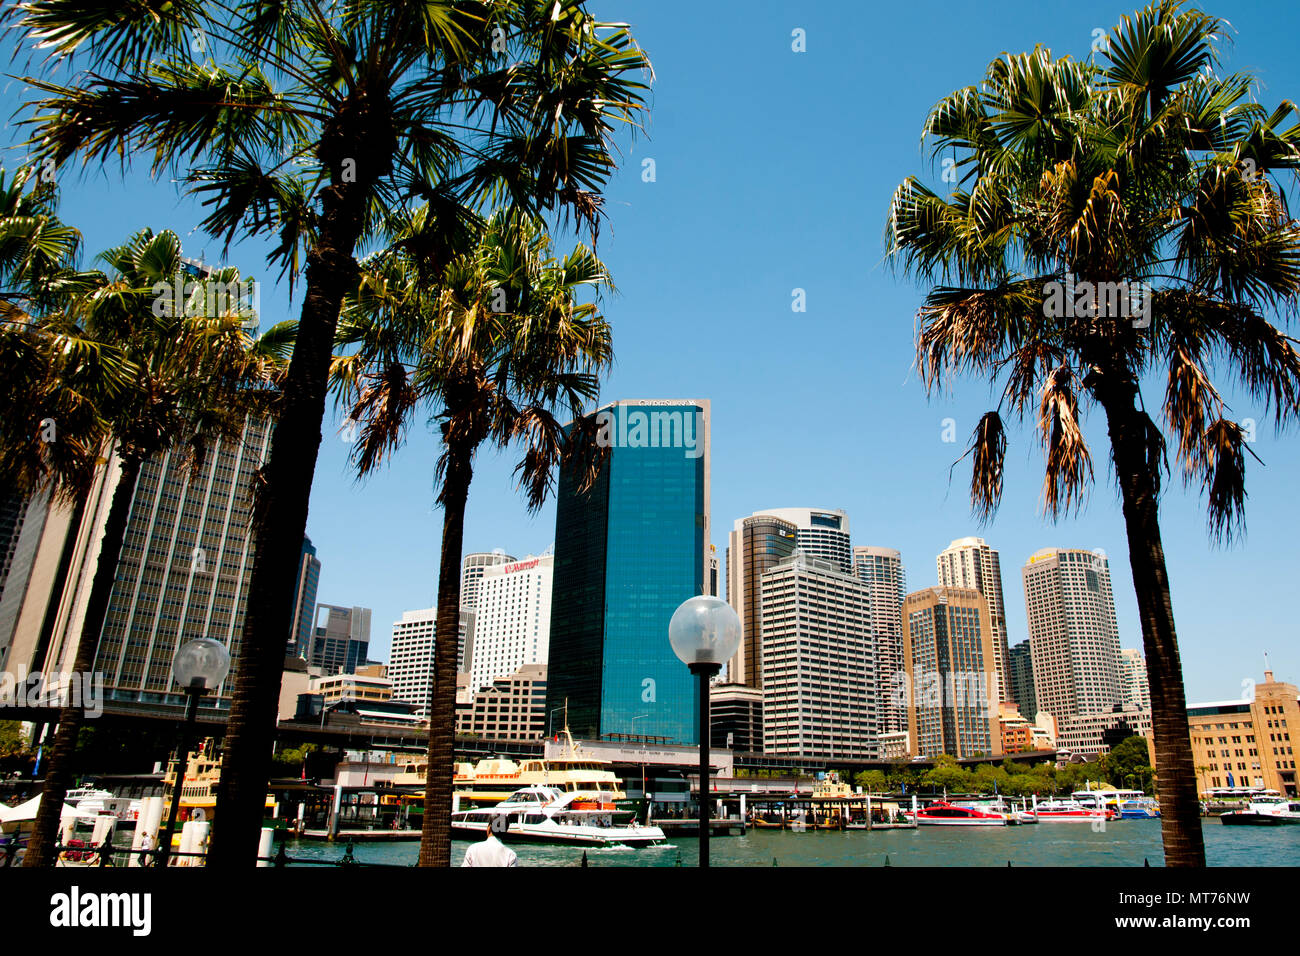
[[628, 551]]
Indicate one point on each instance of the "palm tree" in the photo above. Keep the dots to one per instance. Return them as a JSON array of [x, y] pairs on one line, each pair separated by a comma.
[[1139, 190], [494, 350], [308, 122], [35, 246], [124, 370]]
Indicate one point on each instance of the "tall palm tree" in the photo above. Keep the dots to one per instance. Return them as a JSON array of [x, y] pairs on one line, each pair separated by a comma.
[[499, 351], [122, 370], [1117, 224], [306, 121]]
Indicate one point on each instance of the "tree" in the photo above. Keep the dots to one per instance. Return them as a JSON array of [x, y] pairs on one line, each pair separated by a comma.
[[308, 123], [1128, 765], [122, 371], [1115, 221], [36, 248], [947, 774], [498, 351], [872, 781]]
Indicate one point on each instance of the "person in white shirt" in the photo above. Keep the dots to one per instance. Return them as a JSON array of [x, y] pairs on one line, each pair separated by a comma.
[[491, 851]]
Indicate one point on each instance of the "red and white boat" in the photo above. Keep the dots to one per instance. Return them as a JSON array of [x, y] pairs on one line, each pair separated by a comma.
[[944, 814], [1071, 811]]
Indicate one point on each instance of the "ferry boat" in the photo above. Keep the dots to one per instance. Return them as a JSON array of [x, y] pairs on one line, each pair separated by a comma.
[[493, 779], [550, 815], [124, 810], [1015, 815], [1139, 808], [945, 814], [1264, 811], [1124, 804], [199, 785], [1071, 811], [832, 788]]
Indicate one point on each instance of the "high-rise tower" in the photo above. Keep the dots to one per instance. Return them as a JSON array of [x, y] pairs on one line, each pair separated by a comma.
[[756, 544], [629, 550], [881, 570], [1073, 634], [970, 563]]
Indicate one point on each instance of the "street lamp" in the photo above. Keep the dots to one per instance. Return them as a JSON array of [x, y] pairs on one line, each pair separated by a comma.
[[704, 632], [199, 666]]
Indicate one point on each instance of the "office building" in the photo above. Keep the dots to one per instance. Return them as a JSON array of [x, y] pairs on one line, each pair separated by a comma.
[[512, 621], [1134, 689], [755, 545], [1091, 735], [819, 683], [410, 658], [510, 708], [183, 571], [629, 549], [341, 641], [472, 568], [821, 532], [1073, 634], [22, 520], [971, 563], [367, 686], [1020, 663], [1247, 742], [465, 641], [736, 716], [304, 601], [947, 651], [881, 570]]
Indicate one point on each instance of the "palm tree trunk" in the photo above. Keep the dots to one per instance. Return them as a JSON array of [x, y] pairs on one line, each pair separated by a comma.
[[58, 772], [1180, 813], [281, 510], [435, 831]]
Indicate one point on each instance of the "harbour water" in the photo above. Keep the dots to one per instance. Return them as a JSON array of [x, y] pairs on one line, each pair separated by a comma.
[[1123, 843]]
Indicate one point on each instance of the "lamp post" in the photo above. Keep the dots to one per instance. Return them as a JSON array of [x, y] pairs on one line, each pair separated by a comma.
[[704, 632], [199, 666]]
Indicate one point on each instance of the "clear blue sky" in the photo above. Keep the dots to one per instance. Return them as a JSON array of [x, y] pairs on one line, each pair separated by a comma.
[[773, 172]]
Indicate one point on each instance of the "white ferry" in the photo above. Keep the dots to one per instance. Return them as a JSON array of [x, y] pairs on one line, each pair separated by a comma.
[[548, 815], [493, 779]]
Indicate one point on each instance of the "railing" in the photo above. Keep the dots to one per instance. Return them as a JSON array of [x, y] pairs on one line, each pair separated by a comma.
[[90, 855]]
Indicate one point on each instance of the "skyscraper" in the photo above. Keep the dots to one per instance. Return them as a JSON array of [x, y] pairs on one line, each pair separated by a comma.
[[819, 686], [341, 640], [410, 658], [628, 551], [756, 544], [472, 568], [1020, 662], [1133, 679], [512, 624], [183, 571], [947, 647], [304, 601], [821, 532], [1072, 632], [881, 570], [970, 563]]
